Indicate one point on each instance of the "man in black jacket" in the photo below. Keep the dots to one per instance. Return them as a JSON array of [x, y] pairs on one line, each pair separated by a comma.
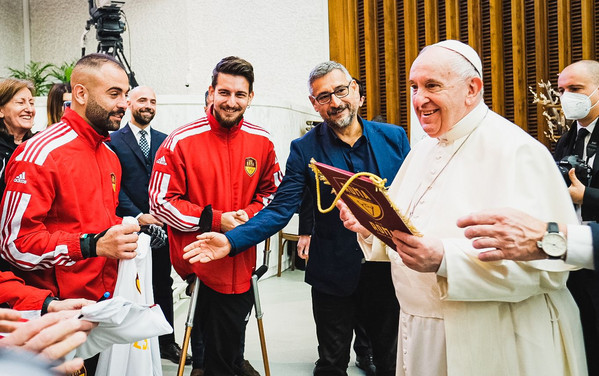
[[136, 144]]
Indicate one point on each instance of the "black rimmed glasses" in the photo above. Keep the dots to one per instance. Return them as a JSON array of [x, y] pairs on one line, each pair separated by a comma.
[[340, 92]]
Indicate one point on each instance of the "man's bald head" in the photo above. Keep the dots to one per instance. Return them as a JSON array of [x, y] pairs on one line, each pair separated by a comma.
[[589, 68], [581, 77], [142, 103], [99, 89], [89, 66]]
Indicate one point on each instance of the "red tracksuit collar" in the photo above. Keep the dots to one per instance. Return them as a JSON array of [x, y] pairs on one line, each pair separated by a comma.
[[83, 129], [216, 127]]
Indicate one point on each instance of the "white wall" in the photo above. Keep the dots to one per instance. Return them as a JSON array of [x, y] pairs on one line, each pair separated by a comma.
[[11, 36], [173, 45]]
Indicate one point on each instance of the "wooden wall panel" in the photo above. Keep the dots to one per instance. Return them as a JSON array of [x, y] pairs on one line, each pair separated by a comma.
[[371, 59], [431, 14], [391, 61], [410, 46], [497, 67], [563, 29], [588, 29], [521, 42], [519, 64], [474, 26], [452, 19], [541, 65]]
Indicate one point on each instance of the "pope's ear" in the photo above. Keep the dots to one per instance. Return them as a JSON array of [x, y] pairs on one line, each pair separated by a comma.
[[475, 85]]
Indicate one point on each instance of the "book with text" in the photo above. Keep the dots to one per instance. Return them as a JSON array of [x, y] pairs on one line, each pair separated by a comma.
[[366, 197]]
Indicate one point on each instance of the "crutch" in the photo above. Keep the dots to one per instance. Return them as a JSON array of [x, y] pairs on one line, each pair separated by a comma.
[[204, 226], [258, 308], [189, 325]]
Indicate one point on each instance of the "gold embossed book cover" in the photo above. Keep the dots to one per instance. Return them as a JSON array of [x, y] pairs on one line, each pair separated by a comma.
[[366, 196]]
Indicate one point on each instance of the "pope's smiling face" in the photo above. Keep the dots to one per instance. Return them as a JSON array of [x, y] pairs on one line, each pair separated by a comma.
[[440, 96]]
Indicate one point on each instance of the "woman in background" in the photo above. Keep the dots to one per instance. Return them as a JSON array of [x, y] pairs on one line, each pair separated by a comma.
[[17, 112], [59, 97]]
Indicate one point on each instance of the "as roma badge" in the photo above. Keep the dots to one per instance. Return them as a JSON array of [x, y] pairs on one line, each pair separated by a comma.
[[250, 166], [113, 181]]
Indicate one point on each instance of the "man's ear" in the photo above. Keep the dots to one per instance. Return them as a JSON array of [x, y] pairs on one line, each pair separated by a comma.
[[313, 101], [80, 94], [250, 97]]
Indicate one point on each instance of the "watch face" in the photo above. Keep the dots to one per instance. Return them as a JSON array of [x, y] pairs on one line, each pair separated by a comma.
[[554, 244]]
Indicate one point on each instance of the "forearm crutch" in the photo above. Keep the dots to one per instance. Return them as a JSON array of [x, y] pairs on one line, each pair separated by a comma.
[[258, 308], [204, 226], [189, 325]]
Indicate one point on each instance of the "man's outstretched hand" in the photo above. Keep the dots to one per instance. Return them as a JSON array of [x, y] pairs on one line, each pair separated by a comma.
[[209, 246]]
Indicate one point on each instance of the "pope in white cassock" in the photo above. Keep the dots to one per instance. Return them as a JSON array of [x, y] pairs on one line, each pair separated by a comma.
[[461, 316]]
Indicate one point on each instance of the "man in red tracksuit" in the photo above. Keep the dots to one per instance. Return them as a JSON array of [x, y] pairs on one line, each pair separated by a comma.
[[62, 187], [223, 161]]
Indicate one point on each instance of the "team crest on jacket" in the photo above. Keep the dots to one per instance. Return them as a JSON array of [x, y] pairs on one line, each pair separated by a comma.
[[250, 166], [113, 181]]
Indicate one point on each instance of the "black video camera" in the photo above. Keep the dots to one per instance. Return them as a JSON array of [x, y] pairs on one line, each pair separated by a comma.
[[582, 170]]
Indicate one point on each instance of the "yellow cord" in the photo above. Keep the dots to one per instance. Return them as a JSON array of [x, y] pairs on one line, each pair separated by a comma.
[[377, 181]]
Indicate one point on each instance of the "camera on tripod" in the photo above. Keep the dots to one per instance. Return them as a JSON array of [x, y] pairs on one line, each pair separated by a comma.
[[106, 18], [582, 170]]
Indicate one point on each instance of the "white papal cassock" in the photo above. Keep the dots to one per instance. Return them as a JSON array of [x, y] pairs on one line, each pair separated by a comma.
[[473, 318]]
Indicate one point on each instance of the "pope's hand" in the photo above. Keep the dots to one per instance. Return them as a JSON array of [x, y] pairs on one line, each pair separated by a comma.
[[209, 246], [423, 254]]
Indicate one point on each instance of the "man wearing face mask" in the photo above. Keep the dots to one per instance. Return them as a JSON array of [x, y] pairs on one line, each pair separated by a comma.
[[578, 84]]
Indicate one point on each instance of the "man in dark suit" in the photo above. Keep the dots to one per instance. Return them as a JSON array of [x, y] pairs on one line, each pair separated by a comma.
[[136, 144], [344, 286], [578, 85]]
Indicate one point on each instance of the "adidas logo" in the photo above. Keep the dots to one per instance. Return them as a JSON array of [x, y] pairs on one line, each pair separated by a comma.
[[21, 178], [161, 161]]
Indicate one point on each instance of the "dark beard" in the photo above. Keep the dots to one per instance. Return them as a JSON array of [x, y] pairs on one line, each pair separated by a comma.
[[226, 123], [140, 119], [99, 118]]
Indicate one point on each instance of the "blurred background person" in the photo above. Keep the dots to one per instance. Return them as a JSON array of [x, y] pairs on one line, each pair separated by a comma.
[[59, 97], [17, 112]]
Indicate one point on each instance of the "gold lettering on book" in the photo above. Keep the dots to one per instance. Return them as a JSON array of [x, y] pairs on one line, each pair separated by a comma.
[[380, 229]]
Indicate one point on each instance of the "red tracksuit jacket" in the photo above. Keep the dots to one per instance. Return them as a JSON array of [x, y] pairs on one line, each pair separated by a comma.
[[203, 163], [60, 184]]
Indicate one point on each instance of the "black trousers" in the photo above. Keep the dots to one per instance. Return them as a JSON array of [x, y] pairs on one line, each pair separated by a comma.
[[222, 321], [162, 284], [584, 286], [374, 304]]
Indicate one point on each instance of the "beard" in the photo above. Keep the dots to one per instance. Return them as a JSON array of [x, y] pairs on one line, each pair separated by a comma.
[[99, 118], [227, 122], [344, 121], [143, 117]]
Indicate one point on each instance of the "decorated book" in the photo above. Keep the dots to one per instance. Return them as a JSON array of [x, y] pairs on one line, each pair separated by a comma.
[[367, 198]]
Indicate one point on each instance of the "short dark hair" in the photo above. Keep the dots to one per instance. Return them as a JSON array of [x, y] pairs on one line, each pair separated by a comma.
[[96, 60], [235, 66], [361, 88]]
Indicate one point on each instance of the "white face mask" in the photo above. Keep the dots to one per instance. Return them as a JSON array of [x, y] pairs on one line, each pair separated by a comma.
[[575, 105]]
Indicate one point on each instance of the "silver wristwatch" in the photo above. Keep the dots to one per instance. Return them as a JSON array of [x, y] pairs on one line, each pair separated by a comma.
[[554, 243]]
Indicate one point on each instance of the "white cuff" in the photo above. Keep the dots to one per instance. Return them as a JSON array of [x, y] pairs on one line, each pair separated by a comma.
[[580, 246]]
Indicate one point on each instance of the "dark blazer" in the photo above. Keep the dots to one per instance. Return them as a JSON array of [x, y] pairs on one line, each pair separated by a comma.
[[335, 256], [133, 197], [595, 233], [565, 147]]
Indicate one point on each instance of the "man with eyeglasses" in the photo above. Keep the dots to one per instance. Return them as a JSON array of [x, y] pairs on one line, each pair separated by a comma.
[[344, 286]]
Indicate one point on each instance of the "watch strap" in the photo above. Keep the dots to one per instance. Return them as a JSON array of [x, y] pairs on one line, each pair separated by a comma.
[[552, 227]]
